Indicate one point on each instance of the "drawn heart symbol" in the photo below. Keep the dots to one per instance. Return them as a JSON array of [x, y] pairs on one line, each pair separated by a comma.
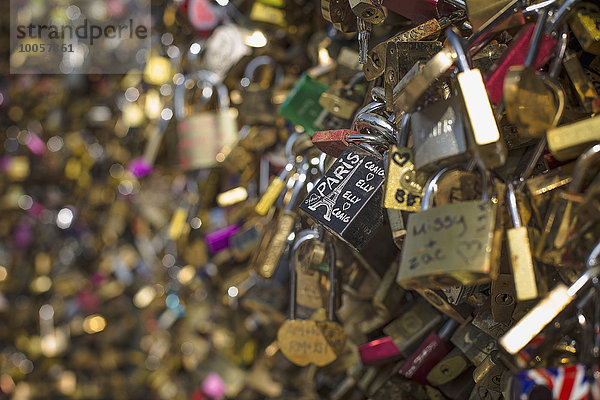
[[370, 176], [468, 249], [346, 206]]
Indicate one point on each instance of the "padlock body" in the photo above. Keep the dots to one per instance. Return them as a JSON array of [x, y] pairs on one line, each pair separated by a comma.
[[403, 187], [346, 201], [205, 138], [302, 106], [449, 245], [566, 142], [439, 135]]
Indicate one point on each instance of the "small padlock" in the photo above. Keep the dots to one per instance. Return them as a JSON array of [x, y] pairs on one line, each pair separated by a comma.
[[527, 329], [302, 104], [339, 13], [256, 106], [481, 123], [309, 341], [346, 200], [565, 241], [583, 85], [520, 239], [584, 24], [433, 349], [448, 368], [452, 244], [412, 326], [273, 246], [369, 11], [566, 142], [403, 189], [205, 138], [516, 54], [439, 135], [474, 343]]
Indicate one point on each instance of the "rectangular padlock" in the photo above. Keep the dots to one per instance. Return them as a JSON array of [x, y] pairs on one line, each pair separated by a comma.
[[346, 201], [302, 106]]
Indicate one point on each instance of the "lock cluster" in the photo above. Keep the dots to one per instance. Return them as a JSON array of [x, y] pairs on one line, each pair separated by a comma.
[[341, 199]]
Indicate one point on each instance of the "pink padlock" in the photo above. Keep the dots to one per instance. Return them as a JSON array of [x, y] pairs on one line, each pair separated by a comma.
[[379, 351], [515, 55]]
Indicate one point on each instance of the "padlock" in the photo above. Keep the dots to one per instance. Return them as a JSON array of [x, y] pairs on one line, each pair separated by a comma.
[[368, 10], [541, 189], [204, 138], [307, 277], [432, 350], [339, 13], [527, 329], [295, 146], [584, 88], [484, 320], [564, 241], [400, 57], [310, 341], [520, 239], [566, 142], [412, 326], [484, 135], [439, 135], [302, 106], [451, 366], [452, 244], [475, 344], [410, 98], [379, 351], [256, 105], [403, 189], [342, 100], [335, 142], [584, 24], [517, 54], [540, 99], [346, 200], [269, 13], [273, 245], [488, 377], [376, 58]]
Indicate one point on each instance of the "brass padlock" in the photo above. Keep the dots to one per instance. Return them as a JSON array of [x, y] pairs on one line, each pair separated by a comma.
[[309, 341], [452, 244], [204, 138]]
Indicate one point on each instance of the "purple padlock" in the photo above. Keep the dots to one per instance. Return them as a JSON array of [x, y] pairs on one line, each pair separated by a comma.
[[220, 240]]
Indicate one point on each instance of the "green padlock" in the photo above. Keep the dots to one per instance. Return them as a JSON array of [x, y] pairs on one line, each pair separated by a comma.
[[302, 107]]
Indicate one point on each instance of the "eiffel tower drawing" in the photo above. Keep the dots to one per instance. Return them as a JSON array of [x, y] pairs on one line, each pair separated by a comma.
[[329, 200]]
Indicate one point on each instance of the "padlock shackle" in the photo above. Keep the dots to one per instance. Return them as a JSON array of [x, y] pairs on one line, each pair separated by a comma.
[[431, 188], [332, 281], [368, 139], [513, 208], [536, 38], [378, 124], [404, 131], [298, 186], [584, 162], [561, 46], [561, 14], [209, 77], [461, 60], [302, 237], [260, 61]]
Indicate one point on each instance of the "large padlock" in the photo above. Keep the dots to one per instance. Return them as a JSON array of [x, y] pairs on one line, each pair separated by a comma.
[[257, 105], [452, 244], [571, 228], [346, 200], [305, 341], [204, 138]]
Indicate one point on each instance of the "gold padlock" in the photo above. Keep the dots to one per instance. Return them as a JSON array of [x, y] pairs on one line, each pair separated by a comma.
[[452, 244]]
